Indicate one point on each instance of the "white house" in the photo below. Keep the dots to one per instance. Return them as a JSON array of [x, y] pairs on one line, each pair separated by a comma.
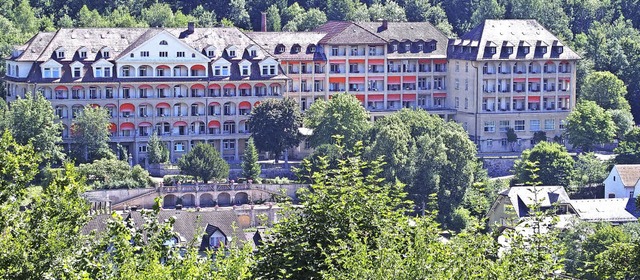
[[622, 181]]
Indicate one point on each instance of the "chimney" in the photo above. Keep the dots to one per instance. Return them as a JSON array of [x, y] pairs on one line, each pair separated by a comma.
[[263, 22], [191, 26], [385, 24]]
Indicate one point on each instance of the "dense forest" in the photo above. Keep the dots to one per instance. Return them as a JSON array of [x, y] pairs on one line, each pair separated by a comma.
[[604, 32]]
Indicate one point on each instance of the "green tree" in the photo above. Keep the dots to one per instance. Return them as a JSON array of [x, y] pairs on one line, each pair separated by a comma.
[[239, 14], [589, 171], [340, 9], [250, 165], [437, 16], [274, 125], [539, 136], [391, 138], [390, 11], [158, 15], [487, 9], [345, 203], [623, 119], [274, 23], [114, 174], [512, 138], [204, 162], [90, 18], [341, 115], [121, 17], [90, 133], [203, 17], [555, 165], [549, 13], [32, 120], [157, 152], [606, 90], [589, 125], [628, 150]]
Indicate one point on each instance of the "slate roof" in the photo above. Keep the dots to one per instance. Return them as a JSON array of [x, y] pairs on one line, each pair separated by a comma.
[[629, 173], [522, 197], [412, 31], [508, 32], [606, 210], [271, 40], [188, 225], [346, 32]]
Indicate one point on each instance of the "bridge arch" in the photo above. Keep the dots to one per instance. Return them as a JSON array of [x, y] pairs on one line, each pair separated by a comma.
[[224, 199], [206, 200], [189, 200], [169, 201], [241, 198]]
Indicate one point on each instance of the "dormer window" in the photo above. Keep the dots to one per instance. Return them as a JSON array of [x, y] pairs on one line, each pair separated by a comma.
[[211, 53], [508, 50], [407, 47], [83, 54], [420, 47], [51, 72], [394, 47], [232, 53], [105, 54], [60, 54], [312, 49], [163, 43], [543, 49], [221, 70], [245, 70], [491, 50], [559, 49], [525, 49], [77, 71], [217, 239], [253, 53], [280, 49]]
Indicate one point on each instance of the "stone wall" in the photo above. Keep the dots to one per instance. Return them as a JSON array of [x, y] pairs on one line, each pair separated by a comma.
[[499, 166]]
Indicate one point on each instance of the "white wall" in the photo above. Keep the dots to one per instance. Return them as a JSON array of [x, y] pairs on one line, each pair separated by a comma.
[[613, 185]]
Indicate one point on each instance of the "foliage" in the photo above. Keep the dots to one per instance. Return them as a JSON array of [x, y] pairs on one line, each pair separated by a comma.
[[606, 90], [204, 162], [390, 11], [512, 138], [628, 150], [274, 125], [589, 125], [589, 171], [539, 136], [487, 9], [343, 203], [250, 166], [114, 174], [274, 23], [324, 153], [32, 120], [341, 115], [553, 161], [90, 133], [623, 119], [157, 152]]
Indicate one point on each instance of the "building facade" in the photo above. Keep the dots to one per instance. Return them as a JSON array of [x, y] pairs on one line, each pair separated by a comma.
[[199, 84], [189, 85], [511, 74]]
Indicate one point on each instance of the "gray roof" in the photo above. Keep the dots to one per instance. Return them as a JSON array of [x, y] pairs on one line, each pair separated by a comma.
[[188, 225], [629, 173], [606, 209], [271, 40], [346, 32], [508, 32], [411, 31], [522, 197]]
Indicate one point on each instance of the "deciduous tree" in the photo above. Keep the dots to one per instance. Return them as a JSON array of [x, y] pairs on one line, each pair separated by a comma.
[[157, 152], [90, 133], [628, 150], [204, 162], [555, 165], [274, 125], [604, 88], [589, 125]]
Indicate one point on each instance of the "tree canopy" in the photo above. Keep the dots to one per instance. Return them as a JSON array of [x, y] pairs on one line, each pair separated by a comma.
[[555, 165], [90, 133], [589, 125], [606, 90], [204, 162], [274, 125], [250, 166], [628, 150]]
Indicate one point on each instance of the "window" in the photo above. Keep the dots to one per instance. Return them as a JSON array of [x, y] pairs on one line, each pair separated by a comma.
[[76, 72], [466, 67], [253, 53], [549, 124], [489, 143], [180, 54], [312, 49], [229, 144], [217, 70], [394, 47], [281, 49], [225, 70], [457, 83], [334, 51], [489, 126], [525, 50], [466, 84], [420, 47], [163, 42], [457, 102], [503, 142], [504, 125], [164, 54], [105, 54], [99, 72], [232, 53], [509, 50], [457, 66], [83, 54], [144, 53], [178, 147], [126, 71], [211, 53], [216, 240], [466, 103], [60, 54], [245, 70], [268, 70], [519, 125], [142, 71], [160, 72], [107, 72], [534, 125], [132, 55], [562, 125], [142, 148]]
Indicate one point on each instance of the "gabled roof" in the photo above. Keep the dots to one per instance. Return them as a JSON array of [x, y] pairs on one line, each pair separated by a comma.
[[516, 32], [629, 173], [410, 31], [606, 210], [522, 197], [270, 40], [345, 33]]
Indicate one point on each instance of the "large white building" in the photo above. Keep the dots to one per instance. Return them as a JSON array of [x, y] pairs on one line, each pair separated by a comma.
[[200, 84]]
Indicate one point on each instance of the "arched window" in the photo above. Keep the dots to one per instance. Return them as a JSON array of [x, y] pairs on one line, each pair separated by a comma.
[[163, 42]]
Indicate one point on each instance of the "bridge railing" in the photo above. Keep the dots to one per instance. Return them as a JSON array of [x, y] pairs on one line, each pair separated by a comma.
[[204, 188]]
